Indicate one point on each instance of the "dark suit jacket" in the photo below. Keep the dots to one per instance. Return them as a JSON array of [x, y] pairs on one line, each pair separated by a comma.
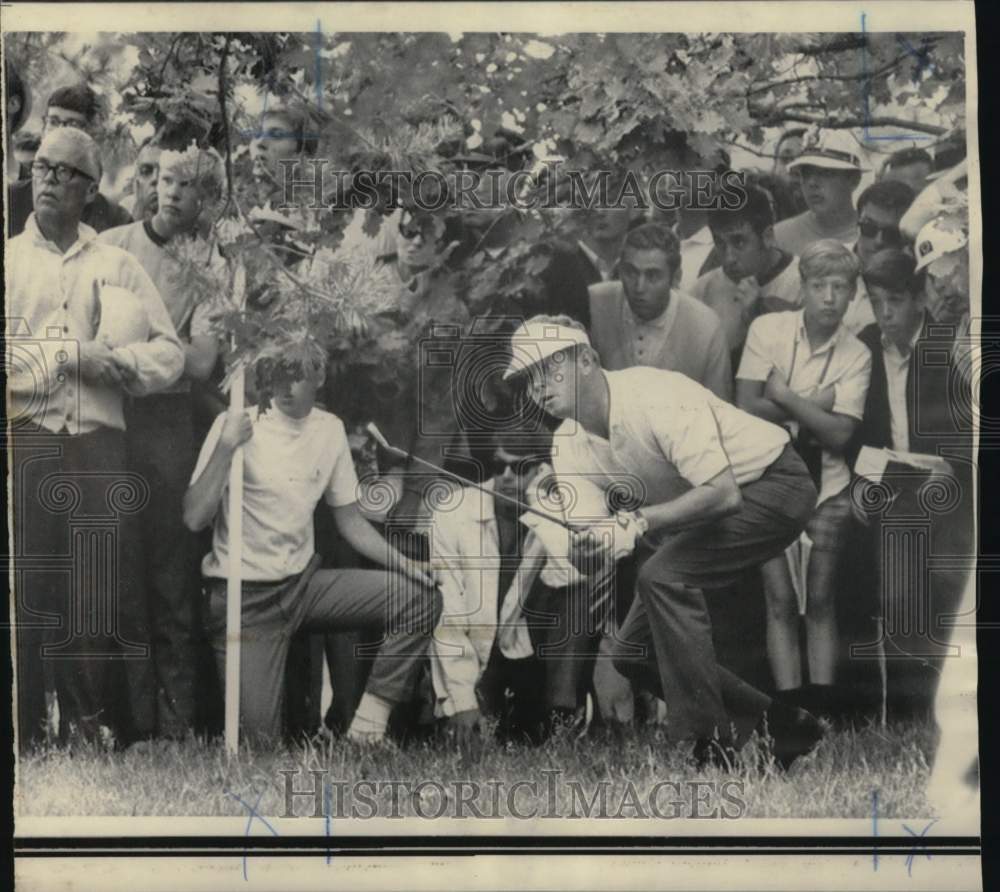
[[938, 399], [939, 415], [100, 214]]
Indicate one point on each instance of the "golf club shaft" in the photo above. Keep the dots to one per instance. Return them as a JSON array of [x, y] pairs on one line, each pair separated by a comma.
[[492, 492]]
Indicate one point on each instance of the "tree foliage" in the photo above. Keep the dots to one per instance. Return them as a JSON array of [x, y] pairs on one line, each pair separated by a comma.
[[411, 101]]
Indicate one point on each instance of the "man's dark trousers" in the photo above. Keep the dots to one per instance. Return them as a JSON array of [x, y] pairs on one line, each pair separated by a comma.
[[161, 449], [75, 548], [925, 550], [669, 619]]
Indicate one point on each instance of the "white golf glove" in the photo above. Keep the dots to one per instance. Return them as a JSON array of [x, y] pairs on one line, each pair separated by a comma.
[[630, 527], [619, 538]]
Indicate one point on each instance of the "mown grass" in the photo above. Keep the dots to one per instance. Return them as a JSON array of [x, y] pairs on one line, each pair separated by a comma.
[[196, 778]]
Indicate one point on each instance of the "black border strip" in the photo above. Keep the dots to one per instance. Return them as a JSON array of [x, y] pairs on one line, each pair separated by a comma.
[[574, 853], [964, 845]]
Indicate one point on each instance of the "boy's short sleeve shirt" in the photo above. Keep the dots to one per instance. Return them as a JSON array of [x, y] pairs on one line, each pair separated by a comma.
[[289, 465], [778, 341]]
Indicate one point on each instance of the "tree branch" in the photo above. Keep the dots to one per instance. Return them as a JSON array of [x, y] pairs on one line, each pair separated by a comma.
[[843, 123], [169, 56], [225, 124], [760, 153], [860, 76], [847, 42]]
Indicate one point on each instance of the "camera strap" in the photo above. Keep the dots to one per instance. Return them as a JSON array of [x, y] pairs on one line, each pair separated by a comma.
[[809, 450]]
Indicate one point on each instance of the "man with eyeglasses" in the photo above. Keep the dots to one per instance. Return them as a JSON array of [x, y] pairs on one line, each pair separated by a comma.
[[68, 381], [73, 106], [511, 641], [880, 208], [419, 240]]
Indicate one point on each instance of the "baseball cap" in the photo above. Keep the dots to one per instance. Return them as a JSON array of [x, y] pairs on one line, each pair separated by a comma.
[[534, 342], [832, 149], [939, 237]]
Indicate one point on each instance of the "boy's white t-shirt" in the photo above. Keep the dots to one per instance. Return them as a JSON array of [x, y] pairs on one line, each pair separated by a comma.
[[289, 464]]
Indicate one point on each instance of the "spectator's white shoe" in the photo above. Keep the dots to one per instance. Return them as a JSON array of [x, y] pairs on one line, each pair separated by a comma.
[[371, 739]]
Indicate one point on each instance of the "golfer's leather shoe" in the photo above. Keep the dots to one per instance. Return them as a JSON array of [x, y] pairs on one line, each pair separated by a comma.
[[794, 732]]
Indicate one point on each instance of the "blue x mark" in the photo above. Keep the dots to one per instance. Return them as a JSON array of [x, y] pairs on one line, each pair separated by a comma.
[[252, 811], [918, 847]]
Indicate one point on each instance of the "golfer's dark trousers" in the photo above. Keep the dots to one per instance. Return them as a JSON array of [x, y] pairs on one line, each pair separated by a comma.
[[665, 642], [75, 577], [161, 450], [403, 611]]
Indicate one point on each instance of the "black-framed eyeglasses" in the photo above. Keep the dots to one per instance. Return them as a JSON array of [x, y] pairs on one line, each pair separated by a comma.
[[53, 121], [871, 229], [500, 465], [64, 172]]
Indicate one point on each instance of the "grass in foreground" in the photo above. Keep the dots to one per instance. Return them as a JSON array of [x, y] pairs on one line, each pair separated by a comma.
[[195, 778]]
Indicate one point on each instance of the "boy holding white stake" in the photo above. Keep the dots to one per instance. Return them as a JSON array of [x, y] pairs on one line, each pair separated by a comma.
[[296, 454]]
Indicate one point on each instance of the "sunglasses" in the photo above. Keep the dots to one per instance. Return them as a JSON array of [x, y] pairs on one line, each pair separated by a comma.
[[410, 229], [64, 172], [517, 465], [871, 229]]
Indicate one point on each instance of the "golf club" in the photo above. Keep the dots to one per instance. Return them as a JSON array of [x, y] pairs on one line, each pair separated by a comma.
[[402, 453]]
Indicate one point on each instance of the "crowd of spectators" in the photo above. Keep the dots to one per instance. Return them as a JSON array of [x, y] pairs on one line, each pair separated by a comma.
[[820, 311]]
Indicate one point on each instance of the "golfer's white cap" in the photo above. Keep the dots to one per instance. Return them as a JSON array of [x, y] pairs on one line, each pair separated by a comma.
[[832, 149], [939, 237], [535, 342]]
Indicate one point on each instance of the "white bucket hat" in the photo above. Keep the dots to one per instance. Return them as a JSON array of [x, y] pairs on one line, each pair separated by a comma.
[[831, 149]]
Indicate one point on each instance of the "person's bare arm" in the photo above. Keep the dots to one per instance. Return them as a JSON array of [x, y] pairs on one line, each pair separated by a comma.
[[367, 542], [203, 496], [832, 429], [750, 398], [713, 500]]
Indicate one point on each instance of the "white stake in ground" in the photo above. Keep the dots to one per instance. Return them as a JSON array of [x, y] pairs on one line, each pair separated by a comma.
[[234, 580], [234, 572]]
